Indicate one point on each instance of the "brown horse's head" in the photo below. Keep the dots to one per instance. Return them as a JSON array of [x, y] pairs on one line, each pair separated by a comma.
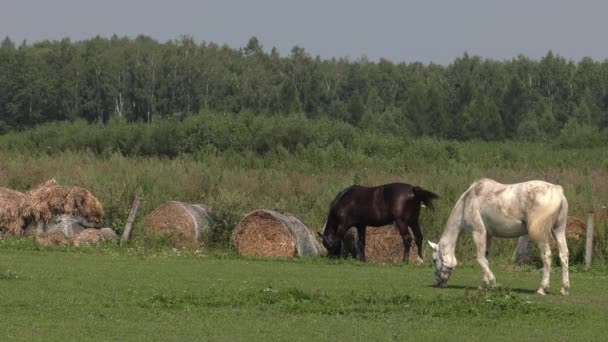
[[331, 243]]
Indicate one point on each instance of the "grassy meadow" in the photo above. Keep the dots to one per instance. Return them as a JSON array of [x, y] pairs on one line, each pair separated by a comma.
[[148, 290], [141, 293]]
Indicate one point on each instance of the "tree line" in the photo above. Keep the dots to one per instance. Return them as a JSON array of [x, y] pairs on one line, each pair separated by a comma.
[[143, 80]]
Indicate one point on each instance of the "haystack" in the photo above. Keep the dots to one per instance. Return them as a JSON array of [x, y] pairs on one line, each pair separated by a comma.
[[385, 245], [576, 231], [270, 233], [51, 207], [182, 224], [10, 201]]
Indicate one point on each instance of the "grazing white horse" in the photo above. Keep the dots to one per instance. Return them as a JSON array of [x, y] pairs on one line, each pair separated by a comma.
[[491, 209]]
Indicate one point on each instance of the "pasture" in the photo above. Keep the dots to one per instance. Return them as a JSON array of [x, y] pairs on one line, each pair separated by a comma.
[[147, 290], [146, 293]]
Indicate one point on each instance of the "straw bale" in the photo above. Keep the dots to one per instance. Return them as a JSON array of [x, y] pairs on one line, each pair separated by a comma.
[[385, 245], [576, 229], [10, 201], [50, 199], [270, 233], [182, 224]]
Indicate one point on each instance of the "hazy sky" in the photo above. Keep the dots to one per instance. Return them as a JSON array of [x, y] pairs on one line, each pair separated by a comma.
[[424, 30]]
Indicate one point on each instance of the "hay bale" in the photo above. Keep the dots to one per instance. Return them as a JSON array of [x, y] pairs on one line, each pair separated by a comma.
[[182, 224], [51, 203], [385, 245], [576, 229], [270, 233], [10, 201]]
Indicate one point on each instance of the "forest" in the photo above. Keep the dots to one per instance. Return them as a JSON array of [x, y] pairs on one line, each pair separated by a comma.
[[143, 81]]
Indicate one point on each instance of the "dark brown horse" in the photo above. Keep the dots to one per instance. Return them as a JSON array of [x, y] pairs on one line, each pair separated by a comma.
[[359, 206]]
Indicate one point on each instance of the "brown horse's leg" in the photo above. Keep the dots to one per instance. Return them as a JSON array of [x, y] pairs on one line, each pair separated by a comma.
[[415, 225], [361, 243], [407, 238]]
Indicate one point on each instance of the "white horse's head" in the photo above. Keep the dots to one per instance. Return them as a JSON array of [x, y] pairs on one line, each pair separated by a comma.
[[442, 271]]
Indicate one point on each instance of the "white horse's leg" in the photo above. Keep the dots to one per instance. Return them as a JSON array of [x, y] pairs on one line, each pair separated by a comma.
[[479, 236], [488, 247], [545, 250], [560, 236]]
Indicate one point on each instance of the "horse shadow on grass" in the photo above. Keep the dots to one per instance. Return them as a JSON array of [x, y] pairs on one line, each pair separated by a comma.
[[474, 288]]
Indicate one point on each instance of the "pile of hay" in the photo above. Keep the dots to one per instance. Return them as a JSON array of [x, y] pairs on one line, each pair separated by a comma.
[[182, 224], [270, 233], [10, 201], [527, 253], [50, 200], [55, 213], [385, 245]]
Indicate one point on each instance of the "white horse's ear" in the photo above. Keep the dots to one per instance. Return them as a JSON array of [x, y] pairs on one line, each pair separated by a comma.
[[433, 245]]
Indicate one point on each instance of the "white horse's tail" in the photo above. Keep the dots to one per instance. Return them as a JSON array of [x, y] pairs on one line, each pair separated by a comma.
[[540, 227]]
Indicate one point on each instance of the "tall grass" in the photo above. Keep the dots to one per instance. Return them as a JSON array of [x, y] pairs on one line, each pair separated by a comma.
[[305, 182], [298, 177]]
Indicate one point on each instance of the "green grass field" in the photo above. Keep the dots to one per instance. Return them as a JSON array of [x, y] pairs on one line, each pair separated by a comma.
[[140, 293], [148, 291]]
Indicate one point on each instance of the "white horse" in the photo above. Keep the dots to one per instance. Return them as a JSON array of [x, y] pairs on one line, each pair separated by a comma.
[[491, 209]]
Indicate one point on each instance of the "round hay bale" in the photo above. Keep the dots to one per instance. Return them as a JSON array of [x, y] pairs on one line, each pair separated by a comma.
[[576, 229], [50, 203], [385, 245], [269, 233], [10, 201], [182, 224]]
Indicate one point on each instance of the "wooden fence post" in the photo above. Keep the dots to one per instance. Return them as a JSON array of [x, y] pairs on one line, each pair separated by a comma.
[[126, 235], [589, 241]]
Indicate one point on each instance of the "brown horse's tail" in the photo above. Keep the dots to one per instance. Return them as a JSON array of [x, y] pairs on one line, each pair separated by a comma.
[[425, 196]]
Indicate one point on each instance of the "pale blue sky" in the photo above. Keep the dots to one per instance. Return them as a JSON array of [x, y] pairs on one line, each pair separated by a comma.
[[426, 31]]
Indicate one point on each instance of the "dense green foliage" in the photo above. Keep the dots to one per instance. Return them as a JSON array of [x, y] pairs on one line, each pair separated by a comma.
[[142, 79], [140, 294], [248, 134]]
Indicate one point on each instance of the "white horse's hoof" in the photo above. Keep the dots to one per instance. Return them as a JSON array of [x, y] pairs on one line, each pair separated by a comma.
[[419, 261], [541, 291], [564, 292]]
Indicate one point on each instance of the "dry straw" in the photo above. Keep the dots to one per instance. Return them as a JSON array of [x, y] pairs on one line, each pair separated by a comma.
[[384, 244], [50, 199], [270, 233], [10, 201], [182, 224]]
